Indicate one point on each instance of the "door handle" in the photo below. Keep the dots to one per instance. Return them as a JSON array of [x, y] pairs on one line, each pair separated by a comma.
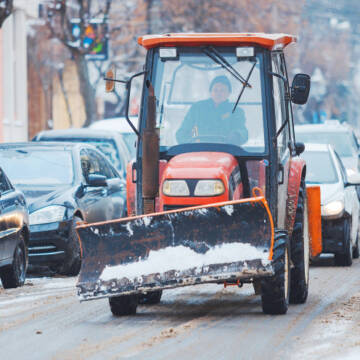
[[281, 174], [134, 173]]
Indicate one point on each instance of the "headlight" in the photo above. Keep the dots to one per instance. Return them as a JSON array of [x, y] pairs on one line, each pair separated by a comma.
[[333, 209], [350, 171], [175, 188], [47, 214], [209, 188]]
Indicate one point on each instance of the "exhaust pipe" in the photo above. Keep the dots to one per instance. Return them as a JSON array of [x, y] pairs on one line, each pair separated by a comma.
[[150, 155]]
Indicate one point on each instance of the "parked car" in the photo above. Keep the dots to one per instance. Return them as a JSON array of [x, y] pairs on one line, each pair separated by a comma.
[[14, 234], [340, 136], [339, 201], [108, 142], [63, 183], [120, 125]]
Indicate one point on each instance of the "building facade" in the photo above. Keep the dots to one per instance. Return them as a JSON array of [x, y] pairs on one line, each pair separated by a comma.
[[13, 73]]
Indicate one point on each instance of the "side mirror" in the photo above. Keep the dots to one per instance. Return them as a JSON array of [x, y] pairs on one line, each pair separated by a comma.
[[97, 180], [299, 148], [109, 80], [300, 89], [116, 184], [353, 179]]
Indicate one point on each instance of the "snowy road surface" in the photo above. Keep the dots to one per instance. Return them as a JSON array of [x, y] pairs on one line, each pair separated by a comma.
[[44, 320]]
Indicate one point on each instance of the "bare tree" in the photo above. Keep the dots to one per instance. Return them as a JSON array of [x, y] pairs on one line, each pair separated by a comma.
[[6, 8], [61, 15], [127, 21]]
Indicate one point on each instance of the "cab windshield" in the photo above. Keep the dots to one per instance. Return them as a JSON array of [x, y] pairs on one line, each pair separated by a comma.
[[196, 97]]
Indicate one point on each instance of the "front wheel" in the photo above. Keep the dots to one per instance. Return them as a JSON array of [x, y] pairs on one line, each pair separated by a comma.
[[275, 290], [345, 258], [72, 263], [14, 275], [124, 305]]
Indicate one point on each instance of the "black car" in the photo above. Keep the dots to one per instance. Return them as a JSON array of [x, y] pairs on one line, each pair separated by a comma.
[[110, 143], [63, 183], [14, 234]]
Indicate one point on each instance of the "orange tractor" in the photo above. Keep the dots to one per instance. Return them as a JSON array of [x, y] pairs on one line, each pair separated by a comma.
[[217, 191]]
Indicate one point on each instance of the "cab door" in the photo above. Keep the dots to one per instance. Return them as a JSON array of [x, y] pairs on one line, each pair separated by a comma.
[[100, 203], [283, 152], [92, 199], [352, 205]]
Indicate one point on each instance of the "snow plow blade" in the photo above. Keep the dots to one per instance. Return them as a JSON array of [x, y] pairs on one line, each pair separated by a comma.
[[219, 242]]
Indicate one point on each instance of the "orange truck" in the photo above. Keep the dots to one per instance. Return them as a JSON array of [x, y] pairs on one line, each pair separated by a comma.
[[217, 192]]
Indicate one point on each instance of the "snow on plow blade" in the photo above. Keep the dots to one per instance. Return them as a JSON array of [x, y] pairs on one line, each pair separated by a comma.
[[214, 243]]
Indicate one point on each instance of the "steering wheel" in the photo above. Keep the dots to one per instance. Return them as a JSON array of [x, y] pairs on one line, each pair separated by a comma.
[[209, 139]]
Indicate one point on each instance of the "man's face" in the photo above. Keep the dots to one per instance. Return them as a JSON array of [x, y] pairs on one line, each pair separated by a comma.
[[219, 93]]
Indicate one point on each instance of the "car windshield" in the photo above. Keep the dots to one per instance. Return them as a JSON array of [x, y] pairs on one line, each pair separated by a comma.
[[320, 167], [37, 167], [341, 141], [106, 146], [196, 97]]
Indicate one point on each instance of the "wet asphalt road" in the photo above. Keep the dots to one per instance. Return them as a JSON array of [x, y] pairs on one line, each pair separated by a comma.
[[44, 320]]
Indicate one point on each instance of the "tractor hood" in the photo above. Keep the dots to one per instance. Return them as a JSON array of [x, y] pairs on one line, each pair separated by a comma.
[[200, 165]]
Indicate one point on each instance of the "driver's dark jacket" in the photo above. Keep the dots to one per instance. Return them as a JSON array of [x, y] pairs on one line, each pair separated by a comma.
[[206, 119]]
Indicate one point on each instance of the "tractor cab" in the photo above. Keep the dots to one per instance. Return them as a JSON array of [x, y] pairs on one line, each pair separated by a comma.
[[216, 122]]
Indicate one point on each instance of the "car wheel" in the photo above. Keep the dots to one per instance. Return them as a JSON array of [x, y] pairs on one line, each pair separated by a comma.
[[14, 275], [345, 258], [72, 263], [356, 248]]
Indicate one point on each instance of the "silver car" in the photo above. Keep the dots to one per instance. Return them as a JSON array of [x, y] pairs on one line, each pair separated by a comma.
[[339, 201], [340, 136], [120, 125]]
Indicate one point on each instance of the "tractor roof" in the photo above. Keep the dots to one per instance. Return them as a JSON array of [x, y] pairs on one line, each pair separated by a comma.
[[268, 41]]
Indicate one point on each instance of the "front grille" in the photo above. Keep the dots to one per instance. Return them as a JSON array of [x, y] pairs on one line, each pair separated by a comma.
[[176, 207], [42, 249]]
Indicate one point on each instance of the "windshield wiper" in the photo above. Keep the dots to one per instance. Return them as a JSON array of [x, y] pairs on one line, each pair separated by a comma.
[[243, 87], [213, 54]]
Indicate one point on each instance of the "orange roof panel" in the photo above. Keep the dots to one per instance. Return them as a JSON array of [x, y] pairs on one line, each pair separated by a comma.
[[268, 41]]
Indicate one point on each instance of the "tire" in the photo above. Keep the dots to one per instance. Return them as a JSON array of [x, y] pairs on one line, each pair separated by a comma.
[[345, 258], [300, 256], [356, 248], [124, 305], [275, 291], [72, 263], [150, 298], [14, 275]]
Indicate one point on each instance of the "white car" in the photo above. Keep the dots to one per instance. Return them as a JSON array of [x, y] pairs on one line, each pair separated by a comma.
[[339, 201], [120, 125], [340, 136]]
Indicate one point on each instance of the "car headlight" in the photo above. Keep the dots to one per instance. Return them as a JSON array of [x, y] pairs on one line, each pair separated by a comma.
[[175, 188], [47, 214], [333, 209], [350, 171], [209, 188]]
